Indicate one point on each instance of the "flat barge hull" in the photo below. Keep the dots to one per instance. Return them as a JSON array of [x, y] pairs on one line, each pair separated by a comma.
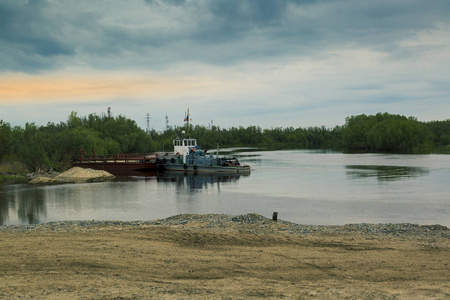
[[120, 167]]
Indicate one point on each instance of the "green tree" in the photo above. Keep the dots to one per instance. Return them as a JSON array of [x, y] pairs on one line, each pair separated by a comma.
[[385, 132], [5, 138], [30, 146]]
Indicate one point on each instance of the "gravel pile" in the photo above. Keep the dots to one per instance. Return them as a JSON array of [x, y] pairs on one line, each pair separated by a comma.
[[250, 223], [73, 175]]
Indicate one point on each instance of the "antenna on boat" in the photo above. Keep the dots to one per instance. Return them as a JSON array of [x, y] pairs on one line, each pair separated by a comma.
[[217, 142], [187, 119]]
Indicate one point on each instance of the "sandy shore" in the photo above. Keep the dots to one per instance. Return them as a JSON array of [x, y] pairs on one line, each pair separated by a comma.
[[223, 257]]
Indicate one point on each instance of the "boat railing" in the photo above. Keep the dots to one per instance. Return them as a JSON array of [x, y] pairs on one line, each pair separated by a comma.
[[122, 157]]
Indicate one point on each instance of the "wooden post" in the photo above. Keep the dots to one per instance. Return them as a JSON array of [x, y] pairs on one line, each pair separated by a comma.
[[275, 216]]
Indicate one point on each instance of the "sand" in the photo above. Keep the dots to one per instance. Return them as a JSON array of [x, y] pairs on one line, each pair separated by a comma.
[[74, 175], [199, 261]]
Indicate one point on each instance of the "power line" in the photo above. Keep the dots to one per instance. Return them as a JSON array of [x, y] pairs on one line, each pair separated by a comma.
[[167, 122], [147, 117]]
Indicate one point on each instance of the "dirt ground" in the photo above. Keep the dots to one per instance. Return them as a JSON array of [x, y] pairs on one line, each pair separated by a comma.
[[157, 262]]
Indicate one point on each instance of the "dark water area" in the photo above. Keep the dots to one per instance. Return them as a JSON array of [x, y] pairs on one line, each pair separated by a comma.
[[303, 186]]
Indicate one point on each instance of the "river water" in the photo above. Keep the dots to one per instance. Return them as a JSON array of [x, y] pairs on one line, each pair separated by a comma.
[[303, 186]]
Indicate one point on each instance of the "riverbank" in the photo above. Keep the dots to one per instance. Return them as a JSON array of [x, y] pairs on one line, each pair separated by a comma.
[[13, 179], [223, 257]]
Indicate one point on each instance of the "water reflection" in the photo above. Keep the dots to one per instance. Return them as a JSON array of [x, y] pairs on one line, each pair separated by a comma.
[[32, 207], [303, 186], [384, 173], [24, 204], [195, 182], [4, 210], [29, 205]]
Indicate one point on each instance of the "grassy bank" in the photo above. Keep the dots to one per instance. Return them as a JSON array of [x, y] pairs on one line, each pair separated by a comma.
[[13, 172], [13, 179]]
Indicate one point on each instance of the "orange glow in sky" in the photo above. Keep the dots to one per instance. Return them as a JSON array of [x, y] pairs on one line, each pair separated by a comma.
[[53, 88]]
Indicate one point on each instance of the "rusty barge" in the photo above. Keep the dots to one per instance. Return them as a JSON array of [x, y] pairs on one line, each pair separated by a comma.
[[119, 164]]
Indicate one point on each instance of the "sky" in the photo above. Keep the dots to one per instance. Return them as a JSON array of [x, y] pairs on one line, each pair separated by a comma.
[[267, 63]]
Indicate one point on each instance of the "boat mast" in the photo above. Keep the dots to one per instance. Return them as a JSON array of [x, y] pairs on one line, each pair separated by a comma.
[[187, 120], [217, 142]]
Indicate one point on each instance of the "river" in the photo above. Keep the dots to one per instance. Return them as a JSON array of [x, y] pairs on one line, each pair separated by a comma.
[[303, 186]]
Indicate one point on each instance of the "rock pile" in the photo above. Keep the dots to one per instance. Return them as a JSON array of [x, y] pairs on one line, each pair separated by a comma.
[[249, 223]]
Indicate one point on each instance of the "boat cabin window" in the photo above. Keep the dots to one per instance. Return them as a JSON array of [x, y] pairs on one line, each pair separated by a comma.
[[187, 143], [190, 143]]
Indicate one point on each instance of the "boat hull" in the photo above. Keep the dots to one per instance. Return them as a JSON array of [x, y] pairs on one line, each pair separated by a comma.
[[128, 167], [206, 169]]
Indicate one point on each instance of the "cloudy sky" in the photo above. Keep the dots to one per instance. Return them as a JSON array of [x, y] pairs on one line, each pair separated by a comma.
[[270, 63]]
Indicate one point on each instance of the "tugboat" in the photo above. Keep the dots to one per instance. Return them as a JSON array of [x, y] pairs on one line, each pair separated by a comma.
[[189, 157]]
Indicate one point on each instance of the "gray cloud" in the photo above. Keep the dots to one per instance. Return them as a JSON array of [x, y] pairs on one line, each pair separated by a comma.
[[264, 62], [152, 34], [30, 38]]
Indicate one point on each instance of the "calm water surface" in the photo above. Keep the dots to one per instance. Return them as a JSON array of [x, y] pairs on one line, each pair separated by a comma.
[[308, 187]]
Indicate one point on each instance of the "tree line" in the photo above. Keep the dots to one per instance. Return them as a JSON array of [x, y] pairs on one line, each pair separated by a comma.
[[395, 133], [54, 145], [374, 133]]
